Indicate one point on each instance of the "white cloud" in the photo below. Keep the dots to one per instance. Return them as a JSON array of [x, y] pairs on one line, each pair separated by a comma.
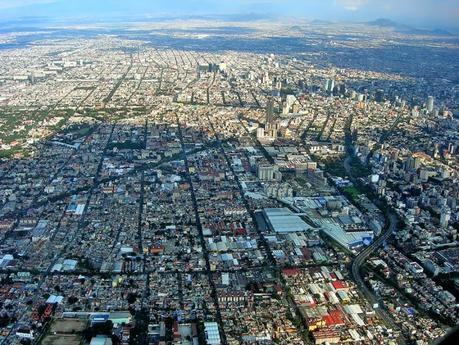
[[352, 5], [5, 4]]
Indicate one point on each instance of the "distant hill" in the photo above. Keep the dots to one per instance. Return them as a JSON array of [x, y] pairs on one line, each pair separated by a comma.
[[383, 22], [406, 29], [321, 22], [441, 32]]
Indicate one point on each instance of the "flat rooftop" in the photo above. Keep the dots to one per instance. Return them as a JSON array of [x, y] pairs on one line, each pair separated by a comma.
[[283, 220]]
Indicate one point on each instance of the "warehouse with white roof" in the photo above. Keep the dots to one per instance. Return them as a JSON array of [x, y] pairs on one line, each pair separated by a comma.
[[282, 220]]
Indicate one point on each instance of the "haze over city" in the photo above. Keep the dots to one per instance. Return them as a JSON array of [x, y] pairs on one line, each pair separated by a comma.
[[440, 13]]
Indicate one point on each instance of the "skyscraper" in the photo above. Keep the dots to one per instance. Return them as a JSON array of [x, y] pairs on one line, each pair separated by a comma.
[[329, 85], [270, 116], [379, 96], [430, 104], [445, 216], [289, 101]]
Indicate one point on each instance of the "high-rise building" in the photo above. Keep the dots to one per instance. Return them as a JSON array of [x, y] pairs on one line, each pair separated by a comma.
[[329, 85], [332, 85], [413, 163], [335, 90], [265, 79], [430, 104], [379, 95], [445, 216], [295, 107], [270, 131], [290, 99], [269, 173], [270, 115], [260, 133], [302, 85], [222, 67]]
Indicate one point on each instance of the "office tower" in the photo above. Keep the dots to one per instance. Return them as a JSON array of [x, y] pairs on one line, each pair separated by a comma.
[[271, 131], [335, 90], [285, 109], [445, 216], [270, 116], [296, 107], [329, 85], [260, 133], [269, 173], [413, 163], [265, 79], [302, 85], [275, 93], [332, 85], [379, 96], [222, 67], [290, 100], [430, 104]]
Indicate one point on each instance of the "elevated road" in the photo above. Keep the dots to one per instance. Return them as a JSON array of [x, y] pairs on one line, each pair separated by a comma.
[[360, 259]]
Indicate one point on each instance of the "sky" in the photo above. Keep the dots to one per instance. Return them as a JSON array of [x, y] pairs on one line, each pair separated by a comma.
[[421, 13]]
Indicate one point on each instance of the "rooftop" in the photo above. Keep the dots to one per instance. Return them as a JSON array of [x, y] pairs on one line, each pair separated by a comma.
[[283, 220]]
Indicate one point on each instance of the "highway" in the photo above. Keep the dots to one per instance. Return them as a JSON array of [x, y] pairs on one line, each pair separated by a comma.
[[360, 259]]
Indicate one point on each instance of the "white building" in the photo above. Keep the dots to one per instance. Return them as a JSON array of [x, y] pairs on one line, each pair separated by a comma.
[[212, 333]]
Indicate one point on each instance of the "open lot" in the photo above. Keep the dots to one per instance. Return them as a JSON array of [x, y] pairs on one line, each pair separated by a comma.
[[62, 339], [65, 332], [67, 326]]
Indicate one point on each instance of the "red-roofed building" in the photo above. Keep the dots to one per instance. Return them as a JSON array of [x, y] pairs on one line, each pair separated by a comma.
[[334, 318], [326, 336], [306, 253], [279, 289], [290, 272], [339, 285]]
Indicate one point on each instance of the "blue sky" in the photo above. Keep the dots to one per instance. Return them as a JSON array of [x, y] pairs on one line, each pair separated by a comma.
[[442, 13]]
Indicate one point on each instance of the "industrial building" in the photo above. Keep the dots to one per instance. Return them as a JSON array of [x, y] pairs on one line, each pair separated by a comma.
[[283, 220]]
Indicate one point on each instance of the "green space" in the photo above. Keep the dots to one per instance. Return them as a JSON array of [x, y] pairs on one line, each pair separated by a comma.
[[9, 153], [358, 169], [17, 122], [78, 130], [352, 193], [335, 166], [302, 181], [126, 145], [83, 132]]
